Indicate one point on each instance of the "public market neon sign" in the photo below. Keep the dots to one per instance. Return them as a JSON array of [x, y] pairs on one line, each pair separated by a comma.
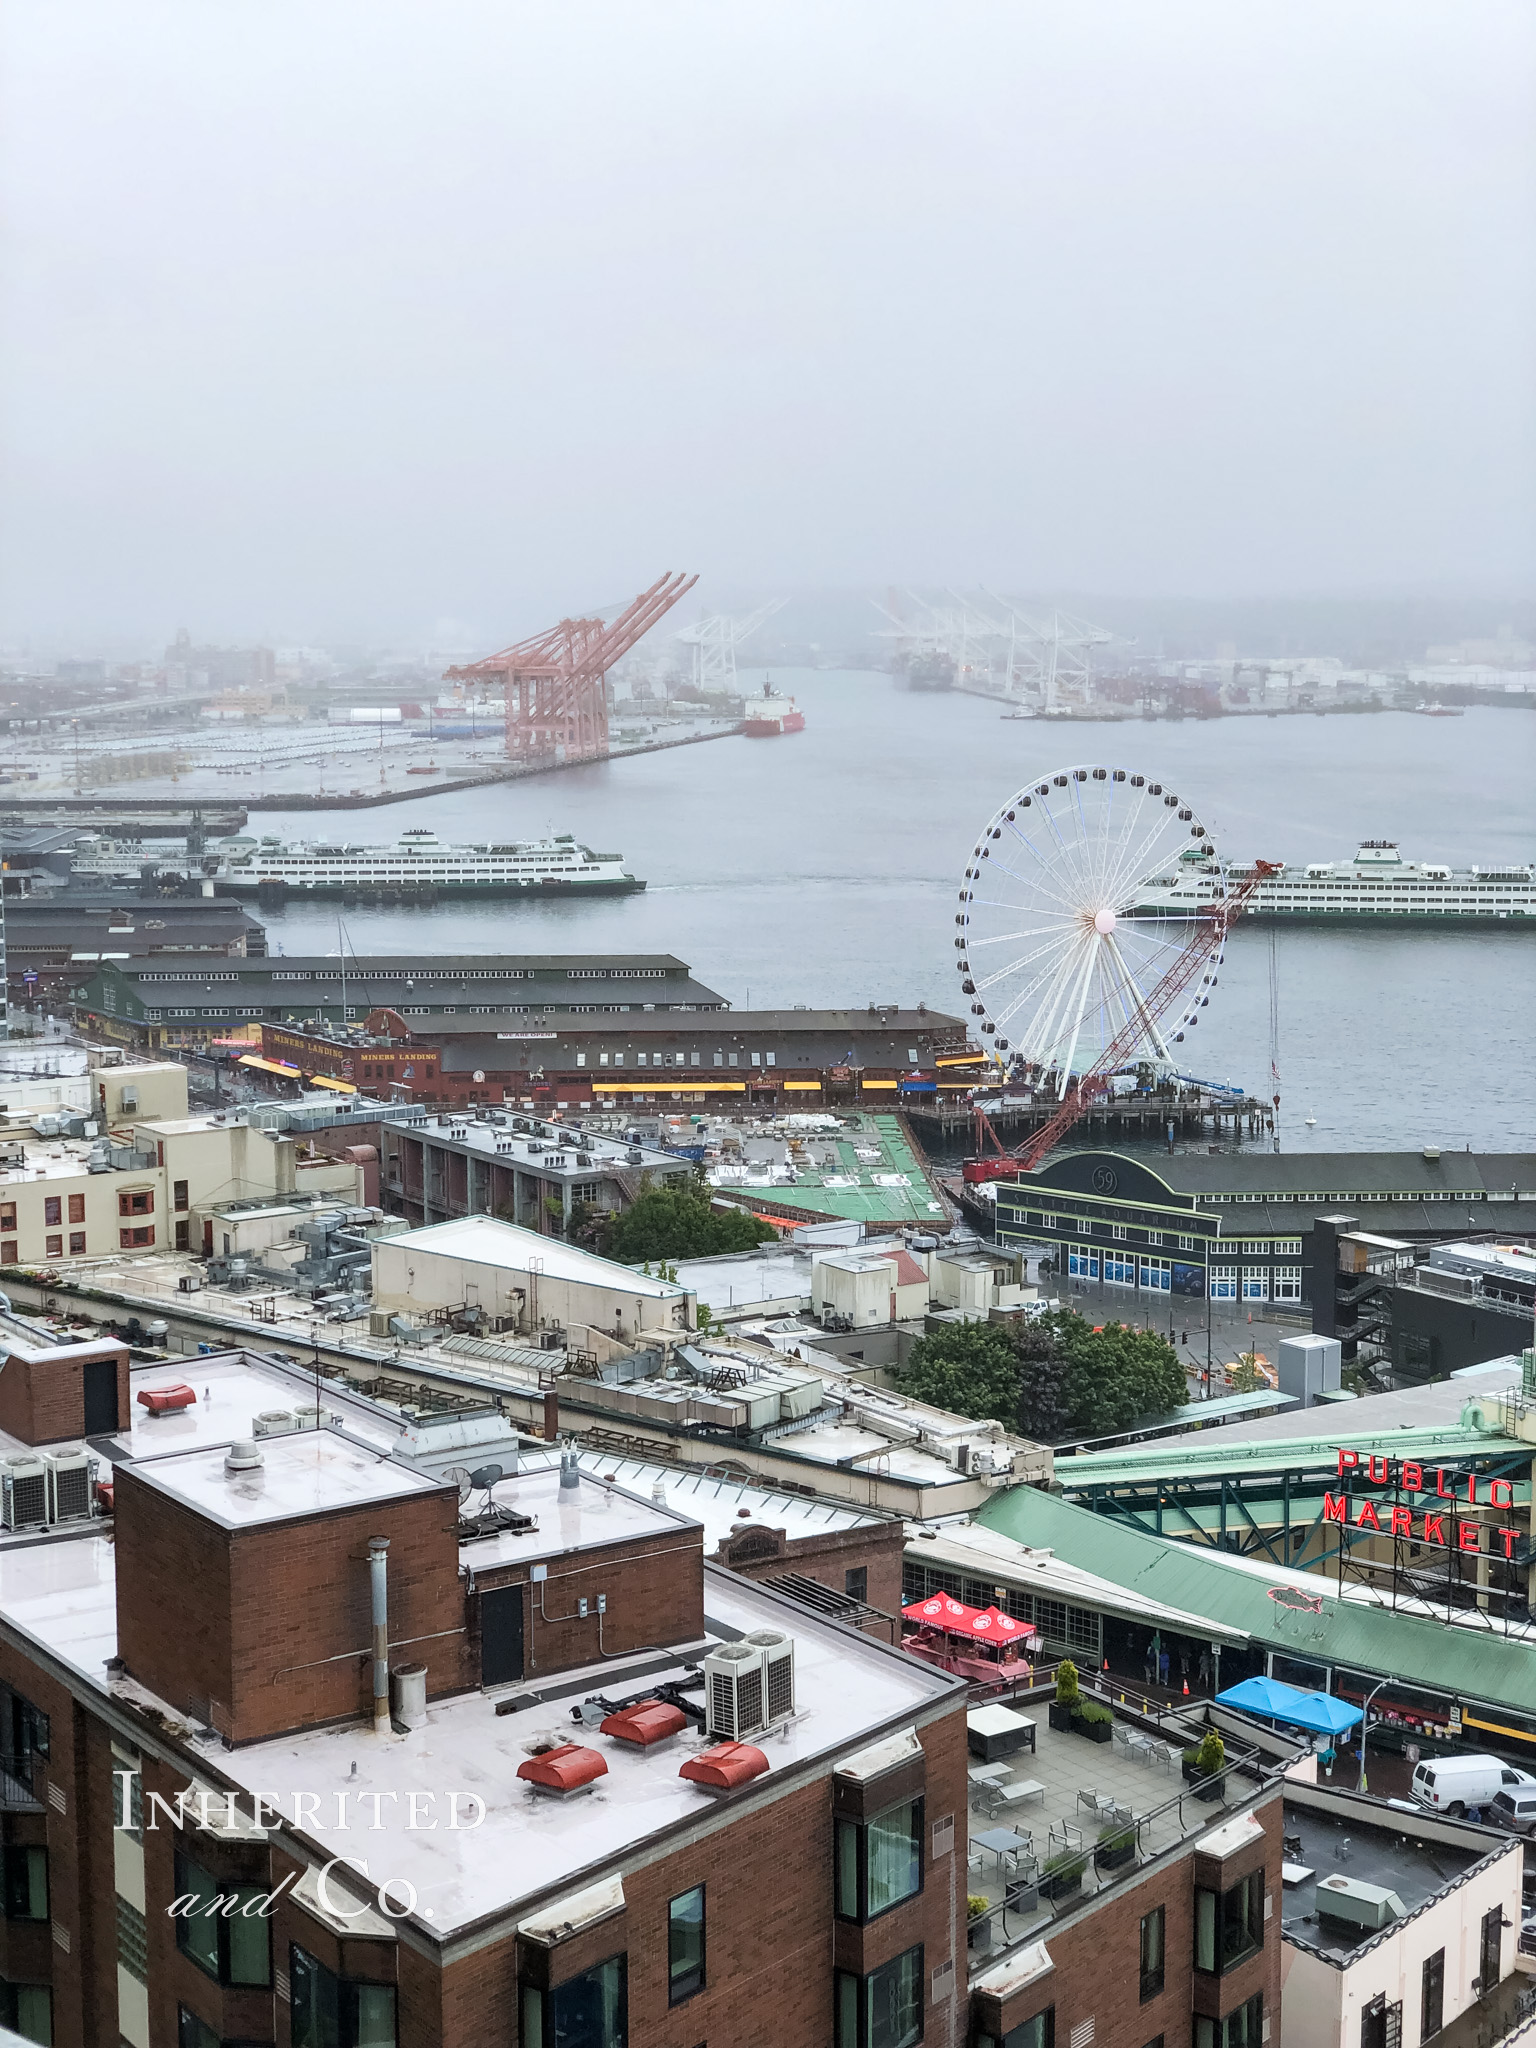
[[1406, 1476]]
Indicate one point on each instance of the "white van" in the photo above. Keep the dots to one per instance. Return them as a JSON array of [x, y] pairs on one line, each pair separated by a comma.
[[1452, 1784]]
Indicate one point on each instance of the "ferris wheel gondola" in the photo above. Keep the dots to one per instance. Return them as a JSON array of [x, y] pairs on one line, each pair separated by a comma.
[[1063, 944]]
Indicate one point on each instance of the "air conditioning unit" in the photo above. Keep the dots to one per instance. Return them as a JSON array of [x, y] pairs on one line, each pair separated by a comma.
[[71, 1471], [735, 1697], [273, 1422], [778, 1651], [25, 1502], [188, 1283]]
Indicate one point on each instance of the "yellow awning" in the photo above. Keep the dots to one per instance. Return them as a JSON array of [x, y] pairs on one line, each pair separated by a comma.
[[660, 1087], [325, 1081], [254, 1059], [814, 1087], [969, 1059], [879, 1084]]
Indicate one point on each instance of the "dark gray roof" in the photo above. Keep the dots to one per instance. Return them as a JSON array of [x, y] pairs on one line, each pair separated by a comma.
[[809, 1038], [1329, 1179], [458, 967]]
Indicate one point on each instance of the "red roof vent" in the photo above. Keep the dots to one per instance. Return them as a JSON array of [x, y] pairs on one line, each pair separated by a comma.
[[565, 1769], [725, 1767], [166, 1400], [646, 1722]]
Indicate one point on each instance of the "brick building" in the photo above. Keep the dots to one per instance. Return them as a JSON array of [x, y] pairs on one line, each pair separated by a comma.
[[214, 1644]]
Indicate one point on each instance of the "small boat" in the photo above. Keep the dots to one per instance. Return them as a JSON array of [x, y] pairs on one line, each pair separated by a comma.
[[1438, 710], [431, 768], [1310, 1120]]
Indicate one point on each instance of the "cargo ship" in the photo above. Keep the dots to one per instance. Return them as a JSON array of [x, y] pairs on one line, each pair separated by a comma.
[[418, 864], [769, 716], [1376, 887]]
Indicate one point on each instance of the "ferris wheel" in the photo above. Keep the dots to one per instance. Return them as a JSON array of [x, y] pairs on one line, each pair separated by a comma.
[[1082, 899]]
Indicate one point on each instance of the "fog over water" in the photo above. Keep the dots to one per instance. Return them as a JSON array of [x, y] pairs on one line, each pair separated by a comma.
[[822, 868]]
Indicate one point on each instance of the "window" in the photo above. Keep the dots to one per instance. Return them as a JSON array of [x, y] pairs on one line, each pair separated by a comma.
[[1038, 2031], [27, 2009], [1152, 1953], [53, 1247], [135, 1237], [884, 2009], [1493, 1935], [8, 1251], [26, 1883], [1287, 1283], [1255, 1286], [879, 1862], [1241, 2029], [227, 1941], [1381, 2025], [1229, 1926], [77, 1208], [1223, 1283], [7, 1215], [856, 1582], [685, 1946], [136, 1202], [1432, 1996], [589, 2011], [53, 1209], [191, 2032], [178, 1194], [1118, 1232], [76, 1243]]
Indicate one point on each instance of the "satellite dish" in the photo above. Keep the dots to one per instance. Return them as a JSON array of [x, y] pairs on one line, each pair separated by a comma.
[[458, 1475], [486, 1477]]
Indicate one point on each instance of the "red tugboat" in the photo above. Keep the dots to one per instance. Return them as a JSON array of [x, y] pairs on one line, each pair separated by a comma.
[[979, 1643], [769, 716]]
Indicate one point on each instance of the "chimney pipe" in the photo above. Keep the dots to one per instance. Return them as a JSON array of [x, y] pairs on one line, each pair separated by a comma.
[[378, 1577], [551, 1415], [570, 1467]]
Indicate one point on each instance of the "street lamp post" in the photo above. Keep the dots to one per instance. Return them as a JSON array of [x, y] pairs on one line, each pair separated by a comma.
[[1365, 1730]]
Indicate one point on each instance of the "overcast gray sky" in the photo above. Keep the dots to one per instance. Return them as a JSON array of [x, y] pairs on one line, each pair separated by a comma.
[[345, 317]]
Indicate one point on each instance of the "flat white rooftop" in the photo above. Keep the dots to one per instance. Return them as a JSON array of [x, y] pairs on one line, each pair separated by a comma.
[[482, 1240], [311, 1472]]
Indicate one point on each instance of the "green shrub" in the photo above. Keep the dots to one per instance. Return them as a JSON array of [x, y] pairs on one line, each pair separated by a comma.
[[1121, 1838], [1066, 1863], [1211, 1755], [1095, 1716], [1068, 1692], [976, 1904]]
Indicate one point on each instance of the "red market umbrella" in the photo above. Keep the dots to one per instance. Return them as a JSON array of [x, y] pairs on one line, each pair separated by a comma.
[[1006, 1630]]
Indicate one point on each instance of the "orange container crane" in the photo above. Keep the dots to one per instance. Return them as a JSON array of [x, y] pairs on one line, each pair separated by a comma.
[[557, 703]]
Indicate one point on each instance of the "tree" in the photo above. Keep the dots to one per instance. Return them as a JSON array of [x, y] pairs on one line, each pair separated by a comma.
[[968, 1368], [1049, 1377], [678, 1223]]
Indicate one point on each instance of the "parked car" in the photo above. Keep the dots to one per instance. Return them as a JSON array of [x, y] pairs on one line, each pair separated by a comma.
[[1515, 1808], [1452, 1785]]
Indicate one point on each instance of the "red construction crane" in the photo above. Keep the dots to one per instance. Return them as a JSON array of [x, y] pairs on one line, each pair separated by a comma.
[[1211, 928], [557, 705]]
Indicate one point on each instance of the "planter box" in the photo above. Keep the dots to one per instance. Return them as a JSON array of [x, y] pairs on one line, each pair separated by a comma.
[[1214, 1791], [1096, 1731], [1057, 1885], [978, 1932], [1115, 1859], [1191, 1771], [1060, 1718]]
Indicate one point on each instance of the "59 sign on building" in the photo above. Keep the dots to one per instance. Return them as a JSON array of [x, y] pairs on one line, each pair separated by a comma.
[[1421, 1520]]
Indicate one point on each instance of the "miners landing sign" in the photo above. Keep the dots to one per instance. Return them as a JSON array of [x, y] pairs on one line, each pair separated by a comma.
[[1431, 1513]]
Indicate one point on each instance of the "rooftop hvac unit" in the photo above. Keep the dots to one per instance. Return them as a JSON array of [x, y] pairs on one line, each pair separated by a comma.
[[1367, 1906], [735, 1699], [26, 1491], [70, 1472], [272, 1422], [778, 1652]]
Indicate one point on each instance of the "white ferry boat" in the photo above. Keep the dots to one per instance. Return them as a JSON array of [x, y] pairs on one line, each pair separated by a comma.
[[1376, 887], [418, 865]]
